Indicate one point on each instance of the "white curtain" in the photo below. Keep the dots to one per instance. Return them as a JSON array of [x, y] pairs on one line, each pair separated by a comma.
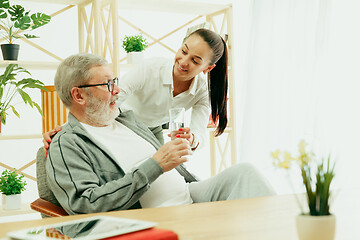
[[300, 80]]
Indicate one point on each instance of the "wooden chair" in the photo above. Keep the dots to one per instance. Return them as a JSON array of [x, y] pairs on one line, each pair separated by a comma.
[[47, 204], [47, 209], [54, 111]]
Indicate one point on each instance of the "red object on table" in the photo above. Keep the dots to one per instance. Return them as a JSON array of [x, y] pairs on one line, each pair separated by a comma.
[[148, 234]]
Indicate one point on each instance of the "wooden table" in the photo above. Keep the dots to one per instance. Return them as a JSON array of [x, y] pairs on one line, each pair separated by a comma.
[[264, 218]]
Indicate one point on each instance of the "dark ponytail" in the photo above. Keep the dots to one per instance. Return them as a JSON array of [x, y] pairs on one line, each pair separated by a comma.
[[217, 78], [218, 88]]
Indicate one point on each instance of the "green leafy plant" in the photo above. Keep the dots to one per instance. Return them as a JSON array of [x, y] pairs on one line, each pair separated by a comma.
[[10, 87], [15, 19], [316, 176], [136, 43], [11, 183]]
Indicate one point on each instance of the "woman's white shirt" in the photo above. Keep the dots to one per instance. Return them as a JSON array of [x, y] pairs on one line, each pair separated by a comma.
[[147, 90]]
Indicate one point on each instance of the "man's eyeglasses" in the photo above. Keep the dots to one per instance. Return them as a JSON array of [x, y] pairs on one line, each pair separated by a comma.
[[111, 84]]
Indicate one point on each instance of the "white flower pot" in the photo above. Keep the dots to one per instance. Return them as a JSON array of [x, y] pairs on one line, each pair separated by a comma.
[[11, 202], [316, 227], [135, 57]]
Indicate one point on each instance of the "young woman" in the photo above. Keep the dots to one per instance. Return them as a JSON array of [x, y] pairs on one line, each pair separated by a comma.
[[197, 75], [197, 79]]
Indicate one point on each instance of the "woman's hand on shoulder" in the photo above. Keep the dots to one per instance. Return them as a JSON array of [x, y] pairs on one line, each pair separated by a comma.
[[48, 136]]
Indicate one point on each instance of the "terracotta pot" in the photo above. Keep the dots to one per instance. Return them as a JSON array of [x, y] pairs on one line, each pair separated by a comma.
[[316, 227], [11, 202]]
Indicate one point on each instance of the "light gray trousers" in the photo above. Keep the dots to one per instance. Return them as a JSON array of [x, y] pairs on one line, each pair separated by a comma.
[[239, 181]]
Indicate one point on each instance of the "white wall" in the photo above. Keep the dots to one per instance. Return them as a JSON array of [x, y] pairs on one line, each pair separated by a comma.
[[300, 80]]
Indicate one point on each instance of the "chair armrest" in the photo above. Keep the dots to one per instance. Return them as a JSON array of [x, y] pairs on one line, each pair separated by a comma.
[[48, 208]]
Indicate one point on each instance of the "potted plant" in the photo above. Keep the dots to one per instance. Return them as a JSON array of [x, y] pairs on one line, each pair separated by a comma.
[[14, 20], [10, 88], [134, 47], [11, 186], [316, 222]]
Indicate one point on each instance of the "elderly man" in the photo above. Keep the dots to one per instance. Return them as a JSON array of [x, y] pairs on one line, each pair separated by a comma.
[[105, 159]]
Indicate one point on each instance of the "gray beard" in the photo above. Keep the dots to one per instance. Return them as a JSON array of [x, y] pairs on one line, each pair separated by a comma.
[[99, 113]]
